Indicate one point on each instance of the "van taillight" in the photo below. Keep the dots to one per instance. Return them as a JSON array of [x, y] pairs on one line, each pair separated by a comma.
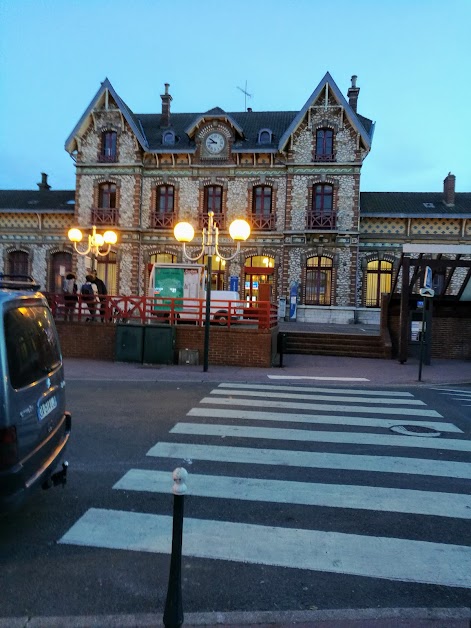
[[8, 447]]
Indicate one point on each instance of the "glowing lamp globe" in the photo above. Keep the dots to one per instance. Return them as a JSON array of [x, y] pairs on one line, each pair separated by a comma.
[[75, 235], [184, 232], [98, 240], [239, 230], [110, 237]]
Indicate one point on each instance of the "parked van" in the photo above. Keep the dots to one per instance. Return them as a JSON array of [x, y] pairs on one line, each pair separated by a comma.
[[34, 425]]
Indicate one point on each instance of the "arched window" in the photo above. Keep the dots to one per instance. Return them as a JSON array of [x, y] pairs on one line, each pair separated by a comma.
[[163, 216], [262, 216], [322, 215], [324, 145], [318, 290], [106, 213], [264, 136], [61, 264], [259, 271], [168, 137], [18, 263], [108, 146], [378, 280]]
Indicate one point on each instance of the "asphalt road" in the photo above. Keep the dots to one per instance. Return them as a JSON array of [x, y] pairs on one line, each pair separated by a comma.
[[54, 561]]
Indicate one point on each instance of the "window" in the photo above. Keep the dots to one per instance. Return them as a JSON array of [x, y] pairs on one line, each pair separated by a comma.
[[213, 199], [262, 217], [168, 137], [107, 196], [18, 263], [108, 146], [218, 271], [324, 145], [107, 271], [264, 136], [106, 213], [163, 258], [378, 280], [321, 216], [31, 343], [318, 281], [163, 216]]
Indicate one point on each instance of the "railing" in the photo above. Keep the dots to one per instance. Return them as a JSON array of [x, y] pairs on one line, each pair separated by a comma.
[[109, 159], [105, 216], [325, 157], [154, 310], [162, 220], [219, 219], [263, 222], [317, 220]]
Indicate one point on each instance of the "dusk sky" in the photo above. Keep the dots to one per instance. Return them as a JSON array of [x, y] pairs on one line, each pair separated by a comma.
[[412, 59]]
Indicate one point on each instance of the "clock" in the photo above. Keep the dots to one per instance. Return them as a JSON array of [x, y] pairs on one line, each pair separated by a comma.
[[215, 143]]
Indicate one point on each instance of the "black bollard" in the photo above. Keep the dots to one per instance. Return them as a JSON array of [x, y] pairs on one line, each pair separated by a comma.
[[173, 613]]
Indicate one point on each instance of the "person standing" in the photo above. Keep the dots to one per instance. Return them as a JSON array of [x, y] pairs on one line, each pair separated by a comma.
[[70, 290], [102, 292], [89, 293]]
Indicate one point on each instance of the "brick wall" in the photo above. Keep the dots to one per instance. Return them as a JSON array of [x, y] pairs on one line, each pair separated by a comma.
[[227, 347]]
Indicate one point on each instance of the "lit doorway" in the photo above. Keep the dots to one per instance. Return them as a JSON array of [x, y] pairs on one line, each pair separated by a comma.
[[259, 273]]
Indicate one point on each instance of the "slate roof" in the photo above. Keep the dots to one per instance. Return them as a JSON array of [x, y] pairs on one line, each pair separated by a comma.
[[250, 122], [411, 204], [41, 201]]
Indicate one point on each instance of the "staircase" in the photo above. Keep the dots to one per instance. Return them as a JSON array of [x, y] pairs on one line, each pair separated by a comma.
[[340, 344]]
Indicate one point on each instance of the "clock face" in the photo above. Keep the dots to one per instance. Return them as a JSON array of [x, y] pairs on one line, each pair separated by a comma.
[[215, 143]]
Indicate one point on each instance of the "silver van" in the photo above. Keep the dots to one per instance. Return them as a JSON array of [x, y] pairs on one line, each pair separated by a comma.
[[34, 425]]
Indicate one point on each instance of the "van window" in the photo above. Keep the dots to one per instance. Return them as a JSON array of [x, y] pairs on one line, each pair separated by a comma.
[[32, 344]]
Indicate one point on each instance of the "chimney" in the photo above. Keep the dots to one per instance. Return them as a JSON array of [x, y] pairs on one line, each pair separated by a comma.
[[449, 189], [44, 185], [166, 100], [249, 109], [353, 94]]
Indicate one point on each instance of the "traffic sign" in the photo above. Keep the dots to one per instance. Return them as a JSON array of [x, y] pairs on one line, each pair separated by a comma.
[[428, 277], [427, 292]]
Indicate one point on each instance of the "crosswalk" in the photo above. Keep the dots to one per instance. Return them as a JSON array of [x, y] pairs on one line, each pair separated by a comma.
[[338, 450]]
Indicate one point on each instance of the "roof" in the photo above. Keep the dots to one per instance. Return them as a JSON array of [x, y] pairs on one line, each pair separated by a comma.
[[413, 204], [37, 201], [247, 124]]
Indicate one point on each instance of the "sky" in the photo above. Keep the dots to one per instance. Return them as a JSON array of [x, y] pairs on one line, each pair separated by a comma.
[[412, 59]]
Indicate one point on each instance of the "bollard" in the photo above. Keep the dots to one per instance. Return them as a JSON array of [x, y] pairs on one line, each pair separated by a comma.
[[173, 613]]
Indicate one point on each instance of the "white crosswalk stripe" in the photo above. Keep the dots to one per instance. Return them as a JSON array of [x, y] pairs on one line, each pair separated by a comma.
[[219, 416]]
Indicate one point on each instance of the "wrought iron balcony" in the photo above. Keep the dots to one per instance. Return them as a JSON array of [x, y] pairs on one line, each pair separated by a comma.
[[324, 157], [105, 216], [108, 159]]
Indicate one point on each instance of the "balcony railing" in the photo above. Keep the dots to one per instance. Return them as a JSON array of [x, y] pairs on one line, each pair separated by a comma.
[[105, 216], [324, 157], [319, 220], [263, 222], [219, 218], [162, 220], [108, 159]]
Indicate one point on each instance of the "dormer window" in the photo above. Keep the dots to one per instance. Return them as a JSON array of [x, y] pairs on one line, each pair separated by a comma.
[[108, 146], [264, 136], [168, 138], [324, 145]]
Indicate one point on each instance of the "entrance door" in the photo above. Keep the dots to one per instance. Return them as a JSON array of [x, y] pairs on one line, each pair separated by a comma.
[[259, 271]]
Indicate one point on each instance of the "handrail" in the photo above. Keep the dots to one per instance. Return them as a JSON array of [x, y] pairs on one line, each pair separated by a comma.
[[114, 309]]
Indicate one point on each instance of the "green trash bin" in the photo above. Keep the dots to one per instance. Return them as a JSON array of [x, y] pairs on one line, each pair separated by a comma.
[[159, 344], [129, 343]]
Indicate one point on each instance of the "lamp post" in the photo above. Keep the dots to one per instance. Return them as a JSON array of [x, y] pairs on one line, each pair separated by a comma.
[[239, 231], [95, 242]]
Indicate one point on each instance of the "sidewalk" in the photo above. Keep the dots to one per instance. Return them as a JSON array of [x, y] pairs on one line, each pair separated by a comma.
[[311, 369]]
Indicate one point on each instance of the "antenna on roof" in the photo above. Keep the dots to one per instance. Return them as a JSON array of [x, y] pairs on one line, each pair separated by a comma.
[[246, 94]]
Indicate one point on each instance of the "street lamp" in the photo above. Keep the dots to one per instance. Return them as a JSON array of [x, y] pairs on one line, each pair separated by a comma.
[[239, 231], [95, 242]]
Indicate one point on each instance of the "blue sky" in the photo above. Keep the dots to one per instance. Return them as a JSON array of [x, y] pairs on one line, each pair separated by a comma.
[[412, 59]]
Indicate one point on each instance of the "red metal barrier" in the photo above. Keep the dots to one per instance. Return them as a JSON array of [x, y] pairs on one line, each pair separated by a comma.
[[152, 310]]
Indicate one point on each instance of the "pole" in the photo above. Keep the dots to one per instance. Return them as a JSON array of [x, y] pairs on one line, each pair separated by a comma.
[[207, 321], [422, 338], [173, 613]]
